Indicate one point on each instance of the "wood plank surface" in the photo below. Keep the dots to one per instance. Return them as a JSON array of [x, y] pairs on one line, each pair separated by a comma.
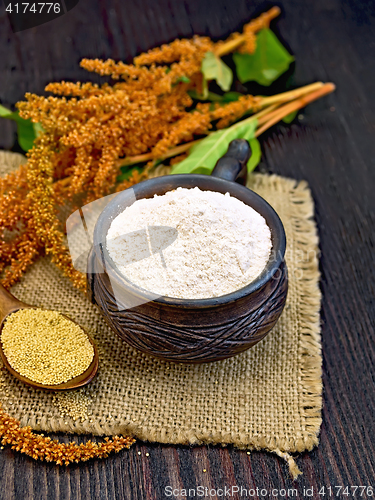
[[332, 146]]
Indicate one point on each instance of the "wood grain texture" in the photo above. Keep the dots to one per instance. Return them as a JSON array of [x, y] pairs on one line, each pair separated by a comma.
[[332, 146]]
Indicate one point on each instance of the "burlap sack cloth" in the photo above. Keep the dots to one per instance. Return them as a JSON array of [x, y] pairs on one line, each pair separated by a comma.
[[268, 397]]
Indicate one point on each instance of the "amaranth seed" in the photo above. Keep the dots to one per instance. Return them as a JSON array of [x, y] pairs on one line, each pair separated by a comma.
[[45, 347]]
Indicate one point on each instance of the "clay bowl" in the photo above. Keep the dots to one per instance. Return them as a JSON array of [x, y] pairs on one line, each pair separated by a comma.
[[189, 331]]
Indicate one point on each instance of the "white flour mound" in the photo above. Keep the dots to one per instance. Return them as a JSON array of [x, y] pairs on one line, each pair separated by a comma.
[[213, 244]]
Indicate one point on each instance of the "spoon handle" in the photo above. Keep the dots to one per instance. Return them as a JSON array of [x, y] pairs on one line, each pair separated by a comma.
[[8, 303]]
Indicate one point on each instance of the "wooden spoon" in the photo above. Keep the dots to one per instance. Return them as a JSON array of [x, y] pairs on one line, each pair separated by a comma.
[[9, 305]]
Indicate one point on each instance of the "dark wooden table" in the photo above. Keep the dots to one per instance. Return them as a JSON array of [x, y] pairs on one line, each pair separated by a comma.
[[332, 146]]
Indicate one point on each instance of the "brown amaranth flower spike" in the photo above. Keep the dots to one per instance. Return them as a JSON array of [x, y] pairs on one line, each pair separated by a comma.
[[19, 243], [42, 447], [235, 110], [246, 42]]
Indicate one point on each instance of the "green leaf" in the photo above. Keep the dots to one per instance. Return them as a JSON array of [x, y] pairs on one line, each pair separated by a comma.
[[289, 118], [4, 112], [256, 154], [26, 133], [127, 172], [199, 97], [269, 61], [211, 96], [202, 170], [184, 79], [213, 68], [231, 96], [204, 155], [204, 88], [27, 130]]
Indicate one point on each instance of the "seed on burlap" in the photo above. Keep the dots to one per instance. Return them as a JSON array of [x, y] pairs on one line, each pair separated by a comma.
[[73, 404]]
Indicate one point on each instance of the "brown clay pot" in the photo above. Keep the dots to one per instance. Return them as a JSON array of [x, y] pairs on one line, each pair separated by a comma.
[[190, 331]]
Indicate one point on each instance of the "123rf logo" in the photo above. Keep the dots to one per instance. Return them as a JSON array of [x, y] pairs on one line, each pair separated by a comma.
[[25, 15]]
